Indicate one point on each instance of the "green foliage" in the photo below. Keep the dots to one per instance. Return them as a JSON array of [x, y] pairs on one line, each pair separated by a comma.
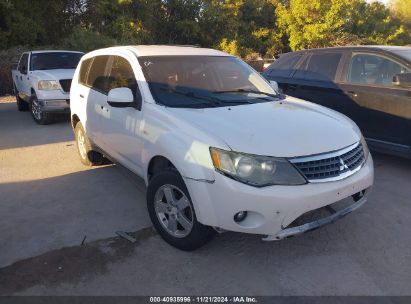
[[402, 9], [246, 28], [86, 40], [318, 23]]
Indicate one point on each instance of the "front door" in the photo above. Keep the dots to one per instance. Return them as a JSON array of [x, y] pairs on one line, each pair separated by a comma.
[[120, 127], [383, 109]]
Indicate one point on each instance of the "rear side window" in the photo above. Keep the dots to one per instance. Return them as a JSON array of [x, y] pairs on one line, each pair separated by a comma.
[[322, 66], [85, 67], [122, 76], [283, 66], [97, 78]]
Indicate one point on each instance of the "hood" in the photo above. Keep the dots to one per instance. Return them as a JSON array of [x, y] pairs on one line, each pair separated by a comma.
[[54, 74], [288, 128]]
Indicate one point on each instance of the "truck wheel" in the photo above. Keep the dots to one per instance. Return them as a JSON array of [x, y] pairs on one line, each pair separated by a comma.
[[88, 156], [39, 116], [172, 213], [21, 104]]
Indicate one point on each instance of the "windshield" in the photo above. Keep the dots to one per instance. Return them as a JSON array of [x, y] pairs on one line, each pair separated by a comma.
[[54, 60], [204, 81]]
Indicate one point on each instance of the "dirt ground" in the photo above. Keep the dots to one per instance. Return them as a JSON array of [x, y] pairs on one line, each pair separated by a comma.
[[49, 202]]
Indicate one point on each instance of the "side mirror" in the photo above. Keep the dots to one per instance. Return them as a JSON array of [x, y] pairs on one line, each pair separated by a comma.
[[120, 98], [402, 80], [274, 85]]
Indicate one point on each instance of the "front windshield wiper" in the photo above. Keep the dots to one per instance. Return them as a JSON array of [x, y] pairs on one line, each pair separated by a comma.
[[248, 91], [210, 100]]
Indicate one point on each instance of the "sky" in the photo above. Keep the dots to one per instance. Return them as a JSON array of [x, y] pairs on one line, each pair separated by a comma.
[[383, 1]]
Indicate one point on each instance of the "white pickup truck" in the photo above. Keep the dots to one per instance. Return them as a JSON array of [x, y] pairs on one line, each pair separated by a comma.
[[42, 83]]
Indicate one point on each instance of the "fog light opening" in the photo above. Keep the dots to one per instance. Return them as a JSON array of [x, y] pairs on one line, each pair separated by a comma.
[[358, 195], [240, 216]]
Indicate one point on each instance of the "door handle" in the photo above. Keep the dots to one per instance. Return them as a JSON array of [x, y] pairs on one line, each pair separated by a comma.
[[81, 96], [352, 93], [292, 87]]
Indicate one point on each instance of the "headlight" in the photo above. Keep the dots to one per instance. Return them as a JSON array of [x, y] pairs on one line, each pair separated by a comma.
[[365, 147], [255, 170], [48, 85]]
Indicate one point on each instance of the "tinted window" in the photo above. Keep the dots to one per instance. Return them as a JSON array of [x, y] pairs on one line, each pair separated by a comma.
[[373, 69], [97, 78], [322, 66], [405, 54], [54, 60], [84, 69], [283, 66], [203, 81], [122, 76], [23, 63]]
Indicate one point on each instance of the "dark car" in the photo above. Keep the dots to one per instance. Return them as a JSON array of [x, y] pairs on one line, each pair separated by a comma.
[[369, 84]]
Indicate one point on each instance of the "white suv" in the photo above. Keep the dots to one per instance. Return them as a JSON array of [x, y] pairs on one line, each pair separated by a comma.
[[217, 146]]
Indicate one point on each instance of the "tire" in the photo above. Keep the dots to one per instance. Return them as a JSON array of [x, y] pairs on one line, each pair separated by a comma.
[[22, 106], [88, 156], [39, 116], [167, 215]]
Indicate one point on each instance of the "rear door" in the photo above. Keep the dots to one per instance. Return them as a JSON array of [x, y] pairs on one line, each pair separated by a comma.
[[383, 109], [93, 90], [314, 80], [21, 77]]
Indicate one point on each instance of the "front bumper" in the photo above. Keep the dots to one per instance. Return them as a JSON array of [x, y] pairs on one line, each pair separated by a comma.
[[292, 231], [271, 209], [55, 105], [55, 101]]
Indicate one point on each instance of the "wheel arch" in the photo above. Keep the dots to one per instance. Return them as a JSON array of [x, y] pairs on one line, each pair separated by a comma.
[[74, 120], [157, 164]]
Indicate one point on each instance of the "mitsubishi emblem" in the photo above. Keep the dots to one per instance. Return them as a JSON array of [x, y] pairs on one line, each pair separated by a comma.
[[343, 165]]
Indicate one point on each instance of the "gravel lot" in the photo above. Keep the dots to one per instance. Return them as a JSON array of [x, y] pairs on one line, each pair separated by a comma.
[[49, 202]]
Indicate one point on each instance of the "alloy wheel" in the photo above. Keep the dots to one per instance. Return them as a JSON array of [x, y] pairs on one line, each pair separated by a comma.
[[174, 211], [36, 109]]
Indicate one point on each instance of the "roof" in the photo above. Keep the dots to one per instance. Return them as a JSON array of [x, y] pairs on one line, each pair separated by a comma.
[[170, 50], [389, 48], [54, 51]]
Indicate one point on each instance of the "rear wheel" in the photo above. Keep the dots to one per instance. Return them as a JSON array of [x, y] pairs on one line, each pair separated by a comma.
[[172, 213], [88, 156], [21, 104]]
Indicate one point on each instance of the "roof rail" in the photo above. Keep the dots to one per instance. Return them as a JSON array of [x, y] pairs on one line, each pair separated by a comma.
[[182, 45]]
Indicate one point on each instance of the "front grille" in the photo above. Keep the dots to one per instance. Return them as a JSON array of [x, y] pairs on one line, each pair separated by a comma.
[[65, 84], [331, 166]]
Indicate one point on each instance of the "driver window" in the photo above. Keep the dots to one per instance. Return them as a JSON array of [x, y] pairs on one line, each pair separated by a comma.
[[375, 70], [122, 76]]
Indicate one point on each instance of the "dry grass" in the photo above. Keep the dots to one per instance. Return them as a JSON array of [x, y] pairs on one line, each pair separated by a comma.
[[7, 99]]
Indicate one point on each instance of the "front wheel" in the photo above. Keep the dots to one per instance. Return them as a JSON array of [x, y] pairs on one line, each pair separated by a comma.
[[39, 116], [172, 213]]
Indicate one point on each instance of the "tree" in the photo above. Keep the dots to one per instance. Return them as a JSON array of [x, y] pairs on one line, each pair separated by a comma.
[[318, 23], [402, 9]]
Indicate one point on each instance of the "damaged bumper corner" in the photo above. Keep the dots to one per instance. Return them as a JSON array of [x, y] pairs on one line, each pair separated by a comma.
[[289, 232]]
